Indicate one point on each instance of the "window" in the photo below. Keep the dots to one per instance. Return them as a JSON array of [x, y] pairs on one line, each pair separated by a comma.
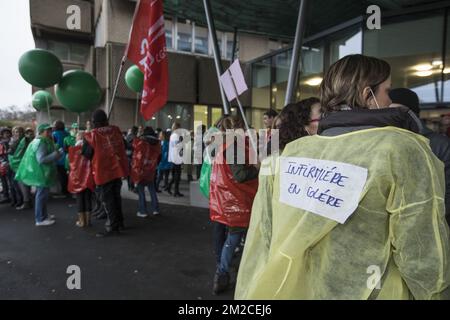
[[184, 37], [69, 52], [201, 40], [349, 42], [216, 113], [261, 85], [413, 48], [200, 115], [311, 72], [229, 49], [171, 113], [169, 33]]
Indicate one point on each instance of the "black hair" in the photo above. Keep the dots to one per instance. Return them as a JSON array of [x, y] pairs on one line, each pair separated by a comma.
[[271, 113]]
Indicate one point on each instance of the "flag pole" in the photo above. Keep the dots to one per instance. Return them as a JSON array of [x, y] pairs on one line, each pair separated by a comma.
[[216, 51], [247, 127], [110, 107], [137, 110], [122, 63]]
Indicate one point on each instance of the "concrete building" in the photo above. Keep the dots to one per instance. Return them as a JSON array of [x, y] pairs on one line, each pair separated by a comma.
[[99, 44], [414, 39]]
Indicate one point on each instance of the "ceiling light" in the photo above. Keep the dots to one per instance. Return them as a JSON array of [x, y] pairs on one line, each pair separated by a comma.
[[314, 82], [423, 67], [446, 70], [423, 73], [437, 63]]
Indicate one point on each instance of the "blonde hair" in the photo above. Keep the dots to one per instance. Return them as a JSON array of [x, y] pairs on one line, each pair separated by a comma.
[[345, 81]]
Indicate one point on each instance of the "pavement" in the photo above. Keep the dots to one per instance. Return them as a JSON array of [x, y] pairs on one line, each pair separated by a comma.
[[163, 257]]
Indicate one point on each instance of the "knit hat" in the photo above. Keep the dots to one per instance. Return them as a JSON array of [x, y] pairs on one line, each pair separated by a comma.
[[406, 97]]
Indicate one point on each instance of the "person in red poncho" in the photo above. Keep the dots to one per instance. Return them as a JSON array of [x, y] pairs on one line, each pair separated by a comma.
[[232, 190], [144, 162], [105, 146], [81, 181]]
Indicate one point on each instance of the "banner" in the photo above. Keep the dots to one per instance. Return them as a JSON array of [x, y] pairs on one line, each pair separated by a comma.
[[147, 49]]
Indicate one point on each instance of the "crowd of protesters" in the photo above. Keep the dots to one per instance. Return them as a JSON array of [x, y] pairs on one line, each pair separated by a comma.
[[397, 220]]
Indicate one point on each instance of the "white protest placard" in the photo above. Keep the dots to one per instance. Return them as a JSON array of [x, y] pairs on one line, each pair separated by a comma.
[[234, 73], [327, 188]]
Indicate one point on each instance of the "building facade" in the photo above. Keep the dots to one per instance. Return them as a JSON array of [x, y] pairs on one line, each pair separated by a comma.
[[99, 45]]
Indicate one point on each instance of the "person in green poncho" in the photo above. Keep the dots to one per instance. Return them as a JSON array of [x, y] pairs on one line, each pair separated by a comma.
[[38, 169], [21, 140]]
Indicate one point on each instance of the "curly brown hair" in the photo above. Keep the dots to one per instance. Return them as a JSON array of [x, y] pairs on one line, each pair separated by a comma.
[[292, 121]]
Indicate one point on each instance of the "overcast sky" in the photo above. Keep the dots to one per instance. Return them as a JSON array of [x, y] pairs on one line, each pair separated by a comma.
[[15, 39]]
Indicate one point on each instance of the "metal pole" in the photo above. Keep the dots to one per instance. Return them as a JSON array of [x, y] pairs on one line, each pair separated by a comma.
[[217, 56], [242, 113], [296, 52], [110, 107], [48, 111], [137, 110], [233, 54]]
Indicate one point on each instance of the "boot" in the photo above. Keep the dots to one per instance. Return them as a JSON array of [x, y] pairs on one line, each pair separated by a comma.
[[81, 220], [87, 219], [220, 283]]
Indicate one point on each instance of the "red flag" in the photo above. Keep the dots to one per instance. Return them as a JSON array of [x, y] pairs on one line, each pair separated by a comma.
[[147, 49]]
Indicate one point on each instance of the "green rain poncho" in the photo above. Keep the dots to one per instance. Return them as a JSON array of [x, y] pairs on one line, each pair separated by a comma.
[[14, 159], [31, 172], [397, 234]]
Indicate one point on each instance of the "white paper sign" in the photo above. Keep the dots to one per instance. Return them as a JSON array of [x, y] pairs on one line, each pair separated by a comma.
[[327, 188], [234, 73]]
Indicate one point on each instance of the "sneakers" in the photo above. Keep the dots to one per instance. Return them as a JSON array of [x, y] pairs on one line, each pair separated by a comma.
[[25, 206], [45, 223], [155, 213], [142, 215]]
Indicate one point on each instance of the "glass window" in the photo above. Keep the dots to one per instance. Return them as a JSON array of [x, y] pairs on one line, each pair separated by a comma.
[[230, 40], [261, 85], [175, 113], [414, 50], [79, 52], [216, 113], [282, 63], [311, 74], [349, 42], [169, 33], [184, 37], [201, 40], [60, 49], [200, 115]]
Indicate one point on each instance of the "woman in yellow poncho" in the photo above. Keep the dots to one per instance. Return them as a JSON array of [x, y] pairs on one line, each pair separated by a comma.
[[356, 212]]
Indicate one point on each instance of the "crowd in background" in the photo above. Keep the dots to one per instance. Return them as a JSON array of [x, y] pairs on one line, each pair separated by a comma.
[[398, 222]]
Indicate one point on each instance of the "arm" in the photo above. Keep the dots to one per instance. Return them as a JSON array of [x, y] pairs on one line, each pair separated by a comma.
[[418, 231], [42, 156]]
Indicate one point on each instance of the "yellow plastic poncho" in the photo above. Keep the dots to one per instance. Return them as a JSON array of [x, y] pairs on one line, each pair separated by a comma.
[[398, 227]]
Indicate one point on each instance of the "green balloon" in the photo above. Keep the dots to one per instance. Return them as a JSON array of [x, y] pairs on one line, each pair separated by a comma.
[[42, 100], [134, 78], [78, 91], [40, 68]]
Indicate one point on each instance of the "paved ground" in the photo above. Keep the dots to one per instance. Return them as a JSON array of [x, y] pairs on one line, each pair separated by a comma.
[[164, 257]]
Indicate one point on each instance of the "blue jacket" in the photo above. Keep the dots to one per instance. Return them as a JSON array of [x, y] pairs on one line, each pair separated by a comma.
[[165, 164], [59, 136]]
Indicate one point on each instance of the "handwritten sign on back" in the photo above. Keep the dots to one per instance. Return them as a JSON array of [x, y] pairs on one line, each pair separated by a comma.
[[327, 188]]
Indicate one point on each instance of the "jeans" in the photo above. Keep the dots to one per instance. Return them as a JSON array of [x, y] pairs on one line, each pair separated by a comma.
[[163, 174], [219, 236], [14, 189], [112, 202], [40, 211], [232, 241], [153, 196], [26, 192]]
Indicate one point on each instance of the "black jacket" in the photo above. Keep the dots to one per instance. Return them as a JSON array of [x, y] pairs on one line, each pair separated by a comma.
[[440, 145]]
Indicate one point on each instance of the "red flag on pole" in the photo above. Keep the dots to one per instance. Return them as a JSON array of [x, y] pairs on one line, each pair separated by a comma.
[[147, 49]]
